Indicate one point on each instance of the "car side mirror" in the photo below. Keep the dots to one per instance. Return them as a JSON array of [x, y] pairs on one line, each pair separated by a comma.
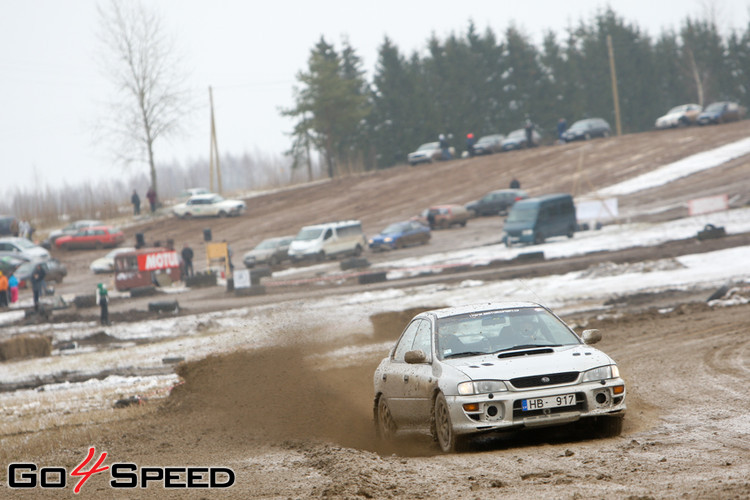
[[591, 336], [415, 357]]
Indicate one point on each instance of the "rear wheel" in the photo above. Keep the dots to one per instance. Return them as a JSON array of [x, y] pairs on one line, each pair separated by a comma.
[[571, 231], [587, 136], [538, 238], [357, 250], [223, 214], [442, 427], [385, 427], [321, 256]]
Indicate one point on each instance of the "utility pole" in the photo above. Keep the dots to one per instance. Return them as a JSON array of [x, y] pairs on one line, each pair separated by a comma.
[[613, 74], [214, 154]]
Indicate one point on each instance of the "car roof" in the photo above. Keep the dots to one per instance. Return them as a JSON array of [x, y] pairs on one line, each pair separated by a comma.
[[447, 312], [334, 224], [203, 196]]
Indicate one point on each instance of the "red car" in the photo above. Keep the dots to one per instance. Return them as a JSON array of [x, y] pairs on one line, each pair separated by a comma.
[[91, 237]]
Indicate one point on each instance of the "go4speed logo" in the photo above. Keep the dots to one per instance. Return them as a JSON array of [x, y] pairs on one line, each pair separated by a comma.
[[122, 475]]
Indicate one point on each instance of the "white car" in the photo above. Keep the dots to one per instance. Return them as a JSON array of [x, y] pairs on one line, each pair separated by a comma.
[[466, 370], [23, 248], [209, 205], [679, 116], [106, 264], [428, 153]]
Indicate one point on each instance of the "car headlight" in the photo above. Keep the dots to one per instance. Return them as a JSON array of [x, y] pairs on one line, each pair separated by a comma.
[[481, 387], [527, 232], [601, 373], [388, 240], [370, 241]]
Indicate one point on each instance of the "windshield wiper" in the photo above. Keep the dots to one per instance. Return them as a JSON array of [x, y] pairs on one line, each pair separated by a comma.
[[464, 354], [527, 346]]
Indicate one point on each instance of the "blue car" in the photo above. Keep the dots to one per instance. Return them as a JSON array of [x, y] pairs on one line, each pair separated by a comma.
[[721, 112], [400, 235]]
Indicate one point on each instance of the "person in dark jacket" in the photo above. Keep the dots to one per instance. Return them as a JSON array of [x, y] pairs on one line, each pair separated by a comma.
[[514, 184], [37, 283], [102, 298], [136, 201], [187, 261], [151, 195]]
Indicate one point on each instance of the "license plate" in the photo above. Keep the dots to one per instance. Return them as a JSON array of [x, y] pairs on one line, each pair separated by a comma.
[[548, 402]]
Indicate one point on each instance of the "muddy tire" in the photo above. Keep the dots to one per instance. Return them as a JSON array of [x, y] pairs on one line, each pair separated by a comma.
[[442, 427], [606, 427], [385, 427]]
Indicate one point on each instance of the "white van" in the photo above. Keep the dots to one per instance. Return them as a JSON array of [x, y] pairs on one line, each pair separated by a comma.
[[328, 240]]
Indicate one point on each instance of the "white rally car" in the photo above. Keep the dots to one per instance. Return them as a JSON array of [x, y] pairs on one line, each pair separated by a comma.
[[490, 367]]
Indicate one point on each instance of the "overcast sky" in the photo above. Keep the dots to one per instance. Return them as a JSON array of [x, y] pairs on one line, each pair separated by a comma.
[[53, 94]]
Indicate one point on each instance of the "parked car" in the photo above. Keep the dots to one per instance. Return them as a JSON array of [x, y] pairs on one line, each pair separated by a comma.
[[271, 251], [23, 247], [331, 239], [91, 237], [444, 216], [185, 195], [428, 153], [400, 235], [535, 219], [8, 225], [9, 262], [54, 270], [489, 144], [496, 202], [106, 264], [679, 116], [586, 129], [71, 228], [209, 205], [461, 371], [721, 112], [517, 139]]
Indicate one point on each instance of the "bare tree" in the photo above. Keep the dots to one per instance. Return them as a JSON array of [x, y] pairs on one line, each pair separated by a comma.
[[142, 63]]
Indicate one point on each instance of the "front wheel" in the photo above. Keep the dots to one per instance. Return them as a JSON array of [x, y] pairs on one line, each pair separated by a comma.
[[606, 427], [385, 426], [442, 427], [223, 214]]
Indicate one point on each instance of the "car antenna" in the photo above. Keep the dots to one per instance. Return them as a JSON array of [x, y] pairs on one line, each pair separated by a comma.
[[527, 287]]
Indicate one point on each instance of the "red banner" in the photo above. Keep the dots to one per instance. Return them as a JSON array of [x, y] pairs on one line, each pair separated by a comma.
[[158, 260]]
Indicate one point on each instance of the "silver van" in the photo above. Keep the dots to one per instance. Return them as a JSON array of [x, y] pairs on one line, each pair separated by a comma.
[[332, 239], [535, 219]]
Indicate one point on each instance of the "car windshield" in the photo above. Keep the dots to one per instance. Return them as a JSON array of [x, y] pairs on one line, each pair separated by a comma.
[[309, 234], [495, 331], [395, 228], [429, 145], [24, 243], [580, 125], [677, 109], [717, 106], [488, 139], [266, 244], [517, 134], [522, 214]]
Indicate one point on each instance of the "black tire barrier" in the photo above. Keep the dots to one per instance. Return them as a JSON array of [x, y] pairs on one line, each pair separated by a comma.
[[372, 278], [250, 291], [142, 291], [718, 294], [164, 306], [84, 301], [201, 279], [172, 360], [529, 256], [354, 263], [710, 232], [207, 234]]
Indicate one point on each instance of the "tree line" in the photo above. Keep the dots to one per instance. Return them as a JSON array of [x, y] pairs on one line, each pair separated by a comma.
[[484, 84]]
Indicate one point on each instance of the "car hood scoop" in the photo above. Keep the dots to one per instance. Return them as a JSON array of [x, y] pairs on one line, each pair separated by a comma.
[[525, 352]]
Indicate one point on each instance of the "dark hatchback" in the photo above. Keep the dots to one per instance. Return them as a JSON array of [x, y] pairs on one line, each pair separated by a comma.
[[400, 235], [489, 144], [583, 130], [721, 112], [496, 202]]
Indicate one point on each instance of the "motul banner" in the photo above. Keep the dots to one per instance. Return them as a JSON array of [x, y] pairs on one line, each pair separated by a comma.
[[158, 260]]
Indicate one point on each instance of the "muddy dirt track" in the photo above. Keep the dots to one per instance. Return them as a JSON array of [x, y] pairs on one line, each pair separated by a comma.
[[293, 421]]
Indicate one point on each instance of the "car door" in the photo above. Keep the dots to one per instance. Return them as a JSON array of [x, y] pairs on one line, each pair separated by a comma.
[[408, 387]]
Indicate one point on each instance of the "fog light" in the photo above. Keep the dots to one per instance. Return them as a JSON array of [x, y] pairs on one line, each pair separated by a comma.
[[492, 411], [471, 407], [618, 389], [601, 398]]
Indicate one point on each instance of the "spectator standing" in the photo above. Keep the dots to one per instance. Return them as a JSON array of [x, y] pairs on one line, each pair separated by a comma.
[[529, 128], [187, 261], [444, 147], [102, 299], [562, 126], [3, 290], [136, 201], [470, 144], [24, 229], [151, 195], [37, 283], [514, 184], [13, 287]]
